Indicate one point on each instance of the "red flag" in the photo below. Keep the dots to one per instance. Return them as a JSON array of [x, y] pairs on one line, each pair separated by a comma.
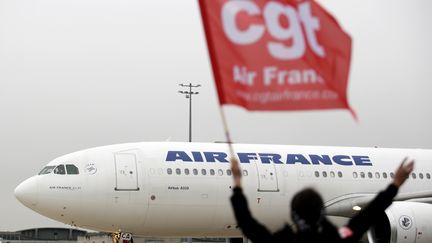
[[277, 55]]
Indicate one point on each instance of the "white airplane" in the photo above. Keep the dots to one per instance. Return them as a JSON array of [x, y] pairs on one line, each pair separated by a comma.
[[182, 189]]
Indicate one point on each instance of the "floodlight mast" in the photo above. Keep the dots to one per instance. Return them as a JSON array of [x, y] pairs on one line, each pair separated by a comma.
[[189, 95]]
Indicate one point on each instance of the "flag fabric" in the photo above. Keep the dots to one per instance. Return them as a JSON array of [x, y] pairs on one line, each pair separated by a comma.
[[277, 55]]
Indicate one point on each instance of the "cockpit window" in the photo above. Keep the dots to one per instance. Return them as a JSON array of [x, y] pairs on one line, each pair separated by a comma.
[[60, 169], [46, 170], [72, 170]]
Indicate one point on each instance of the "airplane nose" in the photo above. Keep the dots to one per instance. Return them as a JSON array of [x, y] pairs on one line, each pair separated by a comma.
[[27, 191]]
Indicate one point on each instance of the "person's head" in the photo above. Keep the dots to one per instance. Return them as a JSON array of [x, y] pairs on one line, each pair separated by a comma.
[[307, 209]]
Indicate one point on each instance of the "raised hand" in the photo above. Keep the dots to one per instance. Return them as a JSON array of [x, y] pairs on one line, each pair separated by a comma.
[[403, 172], [236, 171]]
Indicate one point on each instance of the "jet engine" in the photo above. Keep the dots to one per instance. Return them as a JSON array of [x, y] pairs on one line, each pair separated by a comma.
[[403, 222]]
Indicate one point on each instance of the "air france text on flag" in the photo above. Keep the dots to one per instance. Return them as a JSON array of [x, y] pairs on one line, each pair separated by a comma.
[[277, 55]]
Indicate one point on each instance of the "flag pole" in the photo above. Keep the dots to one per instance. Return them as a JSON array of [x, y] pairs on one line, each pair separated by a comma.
[[226, 130], [235, 164]]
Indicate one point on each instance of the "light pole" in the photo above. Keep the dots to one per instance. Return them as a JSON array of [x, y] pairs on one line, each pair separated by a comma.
[[189, 96]]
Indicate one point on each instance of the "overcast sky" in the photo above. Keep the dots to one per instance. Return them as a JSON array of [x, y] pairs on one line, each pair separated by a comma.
[[76, 74]]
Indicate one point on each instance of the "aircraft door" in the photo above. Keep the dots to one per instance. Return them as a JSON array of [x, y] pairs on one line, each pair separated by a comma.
[[126, 172], [267, 177]]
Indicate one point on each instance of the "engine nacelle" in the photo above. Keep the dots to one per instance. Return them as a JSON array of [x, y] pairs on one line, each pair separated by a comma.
[[403, 222]]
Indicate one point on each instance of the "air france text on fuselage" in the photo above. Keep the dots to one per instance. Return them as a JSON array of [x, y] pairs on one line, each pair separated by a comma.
[[267, 158]]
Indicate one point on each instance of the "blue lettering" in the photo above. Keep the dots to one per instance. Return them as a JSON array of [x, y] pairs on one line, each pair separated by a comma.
[[342, 160], [247, 157], [317, 159], [178, 155], [197, 157], [213, 156], [297, 158], [268, 158], [362, 160]]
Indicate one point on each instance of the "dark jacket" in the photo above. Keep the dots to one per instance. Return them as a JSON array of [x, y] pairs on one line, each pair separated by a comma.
[[327, 232]]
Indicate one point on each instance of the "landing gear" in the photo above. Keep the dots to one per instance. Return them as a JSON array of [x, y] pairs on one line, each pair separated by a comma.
[[121, 237]]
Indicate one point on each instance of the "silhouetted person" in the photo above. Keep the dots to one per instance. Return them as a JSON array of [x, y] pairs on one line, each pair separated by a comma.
[[307, 213]]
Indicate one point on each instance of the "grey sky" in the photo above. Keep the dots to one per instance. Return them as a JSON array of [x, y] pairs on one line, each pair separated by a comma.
[[76, 74]]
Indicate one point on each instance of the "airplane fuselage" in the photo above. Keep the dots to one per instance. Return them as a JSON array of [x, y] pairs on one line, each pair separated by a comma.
[[183, 189]]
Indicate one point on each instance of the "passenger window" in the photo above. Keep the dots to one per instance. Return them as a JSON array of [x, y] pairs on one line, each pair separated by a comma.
[[384, 175], [316, 174], [332, 174], [46, 170], [362, 174], [186, 171], [355, 175], [178, 171], [195, 171], [392, 175], [220, 172], [340, 174], [428, 175], [414, 175], [212, 172], [203, 172], [72, 170], [228, 172], [324, 174], [169, 171], [60, 170], [421, 175], [377, 175], [245, 173], [370, 174]]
